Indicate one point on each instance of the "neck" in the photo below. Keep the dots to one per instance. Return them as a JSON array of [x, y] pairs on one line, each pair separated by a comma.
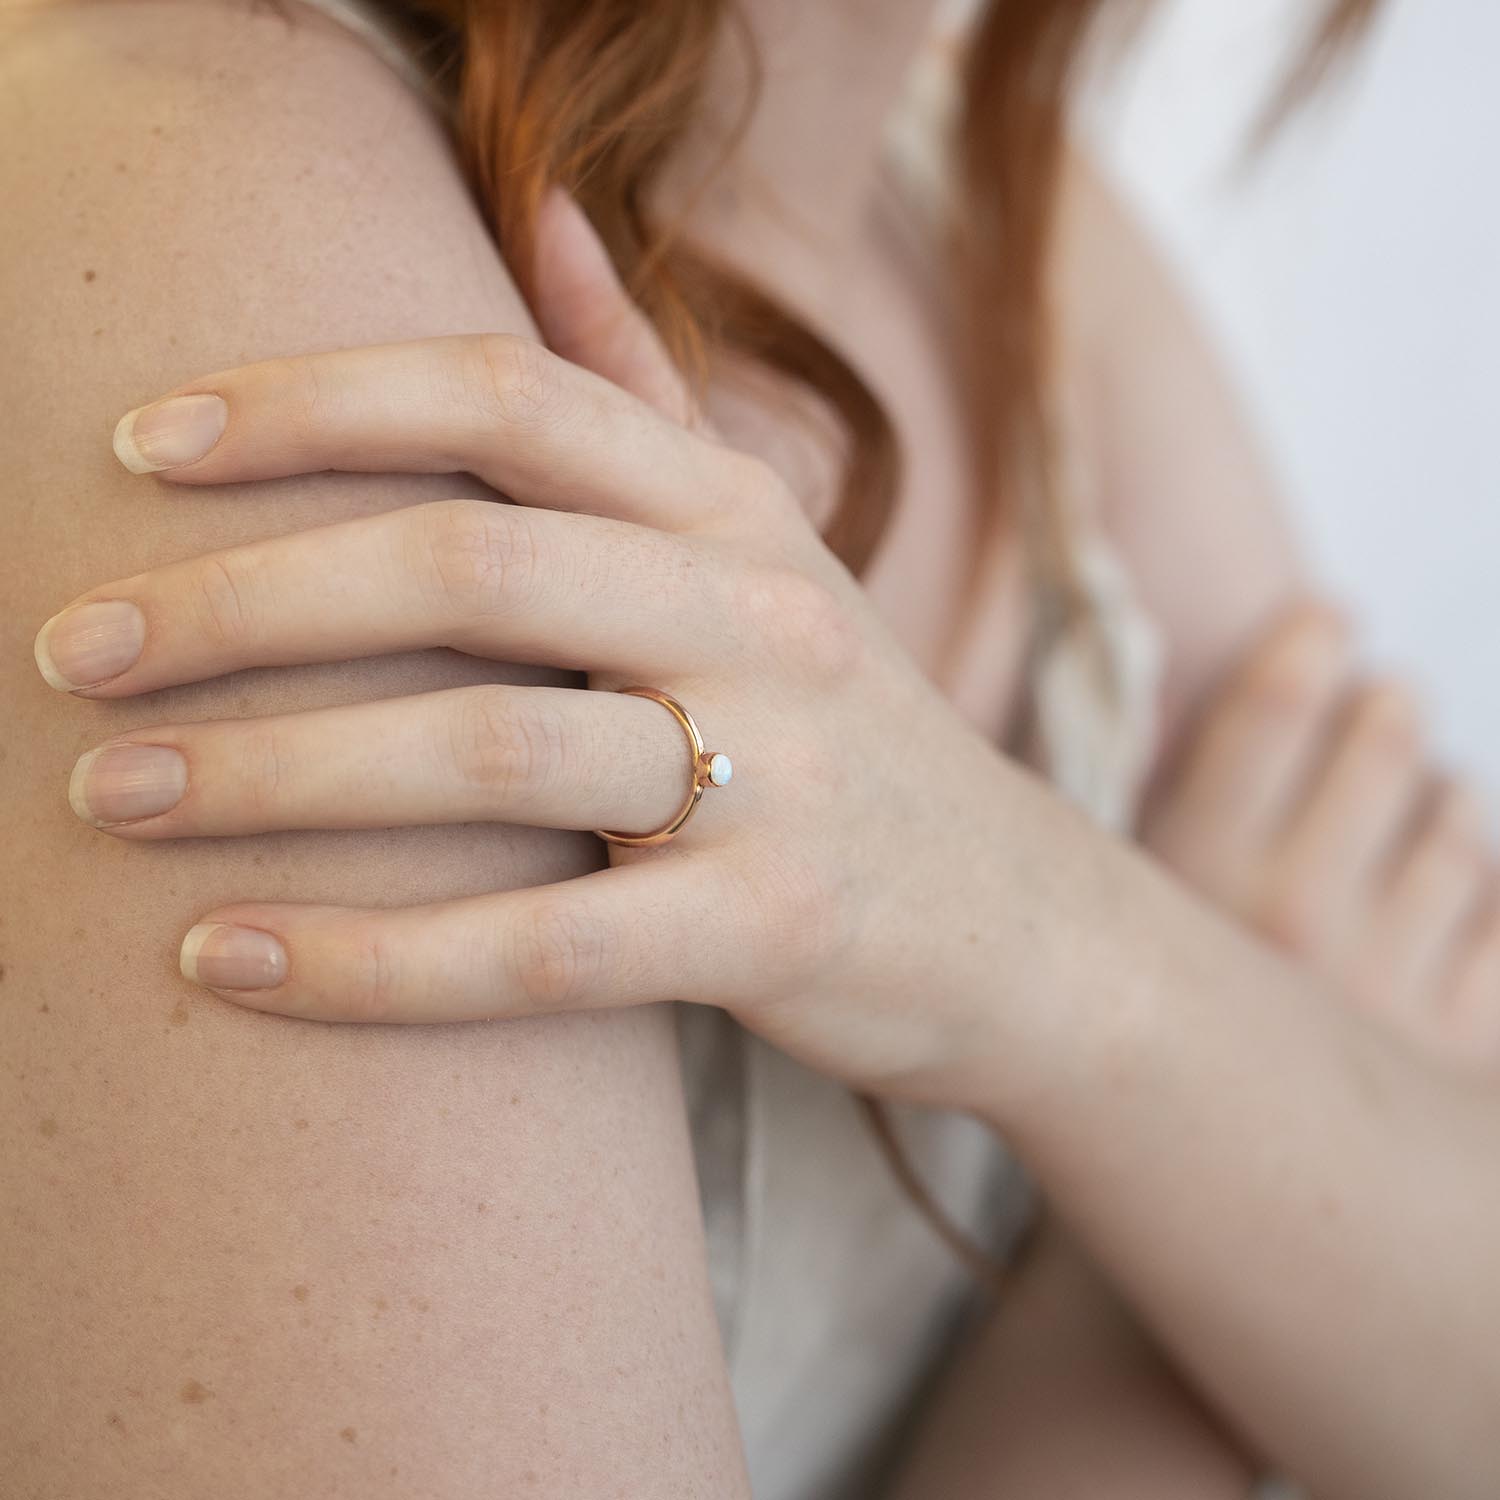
[[805, 167]]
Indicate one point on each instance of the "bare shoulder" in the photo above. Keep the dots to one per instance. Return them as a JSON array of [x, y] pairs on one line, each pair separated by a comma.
[[168, 133], [241, 1252]]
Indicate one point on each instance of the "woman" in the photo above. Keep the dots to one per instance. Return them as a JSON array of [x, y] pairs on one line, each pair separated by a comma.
[[500, 1218]]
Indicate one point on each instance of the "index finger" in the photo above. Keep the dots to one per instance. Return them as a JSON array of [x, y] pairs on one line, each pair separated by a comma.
[[587, 316], [503, 408]]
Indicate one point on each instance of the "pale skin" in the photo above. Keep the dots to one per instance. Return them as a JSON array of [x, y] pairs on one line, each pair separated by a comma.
[[1292, 1372], [1307, 820], [641, 544]]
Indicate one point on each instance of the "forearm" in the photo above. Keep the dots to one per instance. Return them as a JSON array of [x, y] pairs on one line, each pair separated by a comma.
[[1061, 1394], [1300, 1209]]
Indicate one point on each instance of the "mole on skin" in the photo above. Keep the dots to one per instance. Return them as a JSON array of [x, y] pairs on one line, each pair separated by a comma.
[[194, 1394], [347, 1433], [48, 1127], [300, 1293]]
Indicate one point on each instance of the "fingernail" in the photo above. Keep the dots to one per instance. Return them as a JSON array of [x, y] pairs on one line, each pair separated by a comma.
[[117, 783], [90, 643], [232, 958], [167, 434]]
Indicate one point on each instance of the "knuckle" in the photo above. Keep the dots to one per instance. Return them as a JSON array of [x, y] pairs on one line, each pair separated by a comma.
[[479, 556], [518, 381], [376, 979], [559, 955], [303, 395], [802, 622], [1288, 916], [503, 743], [226, 609], [265, 767], [1298, 671]]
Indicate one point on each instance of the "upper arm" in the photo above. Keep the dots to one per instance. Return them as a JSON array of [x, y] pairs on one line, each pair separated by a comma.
[[1174, 467], [240, 1253]]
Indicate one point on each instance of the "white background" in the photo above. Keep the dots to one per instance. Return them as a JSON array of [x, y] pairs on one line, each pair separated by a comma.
[[1352, 282]]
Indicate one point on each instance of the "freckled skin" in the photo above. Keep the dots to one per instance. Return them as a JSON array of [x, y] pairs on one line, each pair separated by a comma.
[[300, 1293], [348, 1434], [48, 1127], [187, 1193], [89, 275], [194, 1394]]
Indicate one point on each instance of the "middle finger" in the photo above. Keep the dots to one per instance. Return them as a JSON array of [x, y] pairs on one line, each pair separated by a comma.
[[502, 581]]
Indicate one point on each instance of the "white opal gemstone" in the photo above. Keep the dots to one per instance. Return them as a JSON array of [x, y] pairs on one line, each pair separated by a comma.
[[720, 769]]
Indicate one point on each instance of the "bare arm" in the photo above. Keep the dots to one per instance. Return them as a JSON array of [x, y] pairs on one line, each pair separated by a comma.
[[1063, 1393], [1175, 475], [240, 1253], [1192, 508]]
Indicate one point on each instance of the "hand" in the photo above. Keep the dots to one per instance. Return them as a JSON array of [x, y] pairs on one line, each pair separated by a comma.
[[1306, 805], [831, 896]]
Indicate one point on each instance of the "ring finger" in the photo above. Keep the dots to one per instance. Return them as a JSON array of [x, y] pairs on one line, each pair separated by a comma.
[[545, 757]]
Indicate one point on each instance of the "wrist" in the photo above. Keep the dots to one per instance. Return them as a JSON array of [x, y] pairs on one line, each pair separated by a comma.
[[1064, 957]]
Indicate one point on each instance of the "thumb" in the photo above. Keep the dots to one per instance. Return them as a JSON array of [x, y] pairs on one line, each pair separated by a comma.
[[586, 315]]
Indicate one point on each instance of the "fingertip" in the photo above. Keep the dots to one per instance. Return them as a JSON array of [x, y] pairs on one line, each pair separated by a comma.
[[571, 258], [1321, 622], [224, 956], [124, 444], [171, 433], [1304, 662]]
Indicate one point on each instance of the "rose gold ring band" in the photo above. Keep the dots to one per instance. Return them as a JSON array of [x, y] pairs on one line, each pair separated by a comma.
[[708, 768]]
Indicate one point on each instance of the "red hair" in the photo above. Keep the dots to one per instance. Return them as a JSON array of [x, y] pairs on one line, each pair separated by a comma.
[[594, 94]]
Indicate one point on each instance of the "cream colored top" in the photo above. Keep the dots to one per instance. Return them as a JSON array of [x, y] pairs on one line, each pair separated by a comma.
[[836, 1299]]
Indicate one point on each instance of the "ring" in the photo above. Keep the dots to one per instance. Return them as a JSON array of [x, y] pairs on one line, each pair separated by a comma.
[[707, 768]]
